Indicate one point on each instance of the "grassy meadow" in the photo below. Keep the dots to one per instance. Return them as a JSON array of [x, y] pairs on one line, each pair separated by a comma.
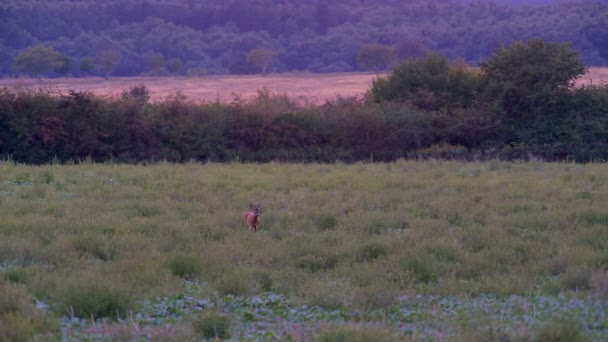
[[397, 251]]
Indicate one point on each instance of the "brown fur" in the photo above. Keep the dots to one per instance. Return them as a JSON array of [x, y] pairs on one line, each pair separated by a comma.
[[252, 217]]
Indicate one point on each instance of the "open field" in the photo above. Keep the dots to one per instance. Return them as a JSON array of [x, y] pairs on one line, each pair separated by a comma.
[[398, 251], [306, 87]]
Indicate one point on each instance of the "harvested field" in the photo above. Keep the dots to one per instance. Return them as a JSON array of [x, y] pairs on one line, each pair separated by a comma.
[[306, 87]]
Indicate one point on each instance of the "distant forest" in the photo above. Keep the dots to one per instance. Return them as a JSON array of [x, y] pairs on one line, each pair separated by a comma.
[[188, 37]]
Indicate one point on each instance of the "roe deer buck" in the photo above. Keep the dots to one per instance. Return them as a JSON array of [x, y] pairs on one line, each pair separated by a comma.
[[252, 217]]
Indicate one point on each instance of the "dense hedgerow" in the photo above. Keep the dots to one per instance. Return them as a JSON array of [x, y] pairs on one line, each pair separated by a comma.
[[521, 104], [40, 127]]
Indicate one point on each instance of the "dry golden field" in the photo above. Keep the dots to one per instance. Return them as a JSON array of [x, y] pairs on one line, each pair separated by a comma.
[[305, 87]]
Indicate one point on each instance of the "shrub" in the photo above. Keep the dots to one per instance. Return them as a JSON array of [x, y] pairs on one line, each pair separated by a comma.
[[429, 83], [15, 275], [421, 266], [212, 325], [558, 265], [330, 294], [13, 299], [561, 330], [599, 283], [94, 246], [88, 299], [371, 251], [576, 279], [16, 328], [184, 266], [264, 281], [47, 177], [378, 295], [19, 320], [325, 221], [237, 282], [315, 263]]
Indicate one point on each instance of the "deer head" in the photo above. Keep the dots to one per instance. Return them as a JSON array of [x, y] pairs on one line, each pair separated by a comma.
[[255, 208]]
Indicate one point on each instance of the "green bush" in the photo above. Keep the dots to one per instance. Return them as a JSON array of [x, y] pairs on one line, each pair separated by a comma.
[[13, 299], [19, 320], [15, 275], [315, 262], [429, 83], [325, 221], [422, 267], [94, 246], [184, 266], [561, 330], [212, 325], [576, 279], [371, 251], [427, 108], [237, 282], [87, 299]]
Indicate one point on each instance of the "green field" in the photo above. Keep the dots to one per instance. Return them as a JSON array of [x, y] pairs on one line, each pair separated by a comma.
[[398, 251]]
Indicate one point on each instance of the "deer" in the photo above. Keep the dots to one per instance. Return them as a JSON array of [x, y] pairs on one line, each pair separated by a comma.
[[252, 217]]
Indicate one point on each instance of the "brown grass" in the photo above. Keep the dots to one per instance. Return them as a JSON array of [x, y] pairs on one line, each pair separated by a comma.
[[307, 88]]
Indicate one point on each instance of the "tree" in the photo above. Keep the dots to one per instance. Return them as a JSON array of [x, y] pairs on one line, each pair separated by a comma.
[[63, 65], [261, 58], [409, 48], [87, 65], [37, 60], [376, 57], [107, 61], [156, 64], [528, 74], [175, 65], [429, 83]]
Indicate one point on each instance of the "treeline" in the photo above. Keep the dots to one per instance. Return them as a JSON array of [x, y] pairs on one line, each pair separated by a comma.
[[520, 105], [184, 37]]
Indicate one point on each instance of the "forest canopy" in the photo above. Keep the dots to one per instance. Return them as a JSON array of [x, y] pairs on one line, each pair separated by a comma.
[[186, 37]]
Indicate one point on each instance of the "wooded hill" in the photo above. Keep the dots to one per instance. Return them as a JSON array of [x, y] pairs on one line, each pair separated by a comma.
[[134, 37]]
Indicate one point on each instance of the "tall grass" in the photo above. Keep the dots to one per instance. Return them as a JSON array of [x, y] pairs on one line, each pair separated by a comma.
[[334, 235]]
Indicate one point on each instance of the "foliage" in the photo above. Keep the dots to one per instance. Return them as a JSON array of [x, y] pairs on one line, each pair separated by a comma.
[[39, 127], [212, 326], [39, 59], [156, 64], [429, 83], [63, 65], [93, 300], [561, 330], [87, 65], [216, 36], [107, 61], [184, 266], [175, 65], [376, 57], [418, 249], [261, 58], [528, 75], [19, 320], [15, 275]]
